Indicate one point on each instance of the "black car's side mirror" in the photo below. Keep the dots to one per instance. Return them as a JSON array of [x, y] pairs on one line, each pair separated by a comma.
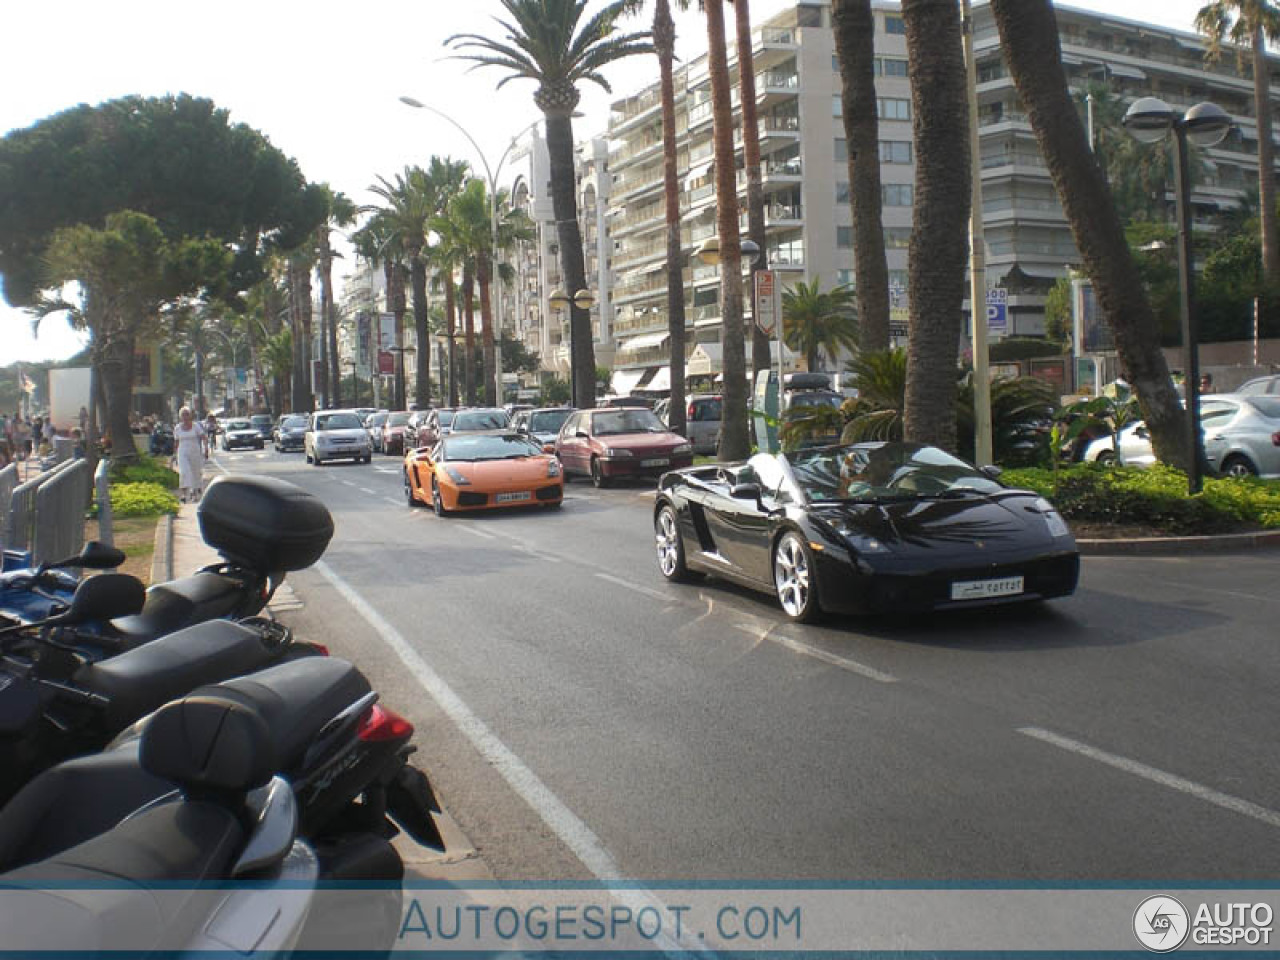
[[748, 491], [991, 471], [1142, 432]]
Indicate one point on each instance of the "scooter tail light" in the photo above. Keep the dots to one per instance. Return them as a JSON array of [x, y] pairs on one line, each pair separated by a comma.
[[321, 649], [381, 724]]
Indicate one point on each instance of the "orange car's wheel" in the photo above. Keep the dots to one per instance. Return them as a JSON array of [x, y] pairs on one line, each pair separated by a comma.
[[408, 490], [437, 502]]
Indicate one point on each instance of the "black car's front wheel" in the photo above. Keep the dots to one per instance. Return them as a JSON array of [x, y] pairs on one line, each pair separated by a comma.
[[666, 533], [793, 578]]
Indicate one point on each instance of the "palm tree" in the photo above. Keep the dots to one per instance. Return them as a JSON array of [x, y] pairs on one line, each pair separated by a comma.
[[939, 219], [341, 213], [854, 29], [1250, 24], [751, 160], [544, 44], [299, 286], [734, 442], [1029, 38], [815, 323]]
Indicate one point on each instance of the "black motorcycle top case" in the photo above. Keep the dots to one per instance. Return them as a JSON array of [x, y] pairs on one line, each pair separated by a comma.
[[266, 524]]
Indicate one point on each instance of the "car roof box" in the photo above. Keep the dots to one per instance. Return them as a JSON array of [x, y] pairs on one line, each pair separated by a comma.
[[807, 381]]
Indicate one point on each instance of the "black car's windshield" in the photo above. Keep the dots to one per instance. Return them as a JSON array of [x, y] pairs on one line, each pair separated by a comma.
[[626, 421], [239, 425], [261, 421], [488, 447], [481, 420], [397, 419], [880, 472], [337, 421], [294, 423], [548, 421]]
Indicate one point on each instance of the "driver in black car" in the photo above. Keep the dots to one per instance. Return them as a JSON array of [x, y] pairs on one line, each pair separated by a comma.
[[863, 469]]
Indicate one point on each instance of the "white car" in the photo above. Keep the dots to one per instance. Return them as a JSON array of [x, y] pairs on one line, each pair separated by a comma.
[[336, 435]]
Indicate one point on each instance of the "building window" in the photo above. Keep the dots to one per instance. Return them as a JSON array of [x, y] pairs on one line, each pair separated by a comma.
[[890, 67], [837, 107], [895, 25], [844, 237], [897, 238], [897, 194], [895, 151], [888, 108], [844, 278], [842, 150], [842, 191]]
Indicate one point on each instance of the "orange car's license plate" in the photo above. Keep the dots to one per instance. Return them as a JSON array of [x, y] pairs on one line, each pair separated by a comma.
[[513, 497]]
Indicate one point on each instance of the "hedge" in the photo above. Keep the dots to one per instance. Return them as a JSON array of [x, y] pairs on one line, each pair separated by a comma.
[[145, 470], [141, 500], [1156, 497]]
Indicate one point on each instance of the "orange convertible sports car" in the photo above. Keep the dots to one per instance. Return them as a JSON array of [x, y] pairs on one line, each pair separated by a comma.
[[482, 471]]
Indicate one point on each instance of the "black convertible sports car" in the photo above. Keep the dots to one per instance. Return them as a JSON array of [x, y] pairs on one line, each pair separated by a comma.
[[864, 528]]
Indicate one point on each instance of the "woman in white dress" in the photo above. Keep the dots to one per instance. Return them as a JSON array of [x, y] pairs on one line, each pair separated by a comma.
[[192, 450]]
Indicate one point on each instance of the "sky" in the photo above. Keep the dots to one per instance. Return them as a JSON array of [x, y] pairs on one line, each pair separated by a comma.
[[321, 80]]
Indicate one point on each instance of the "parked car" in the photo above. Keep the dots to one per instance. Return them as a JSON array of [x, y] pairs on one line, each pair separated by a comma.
[[1261, 385], [542, 424], [416, 419], [514, 408], [627, 401], [262, 423], [336, 435], [373, 423], [702, 422], [364, 412], [438, 424], [291, 433], [482, 471], [1241, 437], [610, 442], [864, 528], [479, 418], [239, 433], [393, 429]]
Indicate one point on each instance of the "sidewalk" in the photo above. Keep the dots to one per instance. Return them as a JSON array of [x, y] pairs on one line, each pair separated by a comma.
[[460, 863]]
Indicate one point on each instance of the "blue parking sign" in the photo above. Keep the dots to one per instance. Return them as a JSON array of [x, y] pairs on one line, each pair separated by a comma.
[[998, 310]]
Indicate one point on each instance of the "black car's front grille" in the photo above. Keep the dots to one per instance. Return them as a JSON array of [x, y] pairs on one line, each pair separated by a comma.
[[468, 499]]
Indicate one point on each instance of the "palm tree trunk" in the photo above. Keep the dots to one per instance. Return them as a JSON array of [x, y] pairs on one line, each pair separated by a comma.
[[469, 327], [573, 268], [734, 443], [1029, 38], [422, 359], [300, 375], [400, 308], [1266, 164], [486, 318], [755, 183], [451, 325], [940, 218], [664, 40], [854, 29], [330, 317], [326, 312], [117, 383]]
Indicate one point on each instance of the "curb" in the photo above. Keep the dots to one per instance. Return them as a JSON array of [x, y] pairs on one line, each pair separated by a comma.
[[162, 558], [1176, 546]]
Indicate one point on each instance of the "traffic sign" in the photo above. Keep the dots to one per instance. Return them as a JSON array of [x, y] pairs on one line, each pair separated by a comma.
[[998, 310], [767, 307]]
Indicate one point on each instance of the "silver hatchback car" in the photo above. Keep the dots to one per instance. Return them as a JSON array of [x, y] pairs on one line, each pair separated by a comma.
[[336, 435], [1241, 437]]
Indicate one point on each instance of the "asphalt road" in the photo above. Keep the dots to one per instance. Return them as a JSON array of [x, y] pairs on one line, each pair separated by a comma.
[[582, 717]]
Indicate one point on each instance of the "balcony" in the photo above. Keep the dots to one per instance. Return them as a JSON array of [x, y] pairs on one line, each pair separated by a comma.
[[788, 213]]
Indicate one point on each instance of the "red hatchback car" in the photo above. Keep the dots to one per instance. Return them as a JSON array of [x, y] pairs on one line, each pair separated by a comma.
[[393, 433], [625, 442]]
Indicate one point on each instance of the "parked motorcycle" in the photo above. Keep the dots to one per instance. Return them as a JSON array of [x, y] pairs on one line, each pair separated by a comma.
[[288, 778]]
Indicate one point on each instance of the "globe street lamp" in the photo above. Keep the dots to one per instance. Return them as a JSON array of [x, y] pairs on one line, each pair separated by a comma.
[[1150, 120], [559, 300]]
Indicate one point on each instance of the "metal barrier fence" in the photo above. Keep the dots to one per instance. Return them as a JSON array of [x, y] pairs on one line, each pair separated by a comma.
[[60, 509], [102, 484], [8, 481]]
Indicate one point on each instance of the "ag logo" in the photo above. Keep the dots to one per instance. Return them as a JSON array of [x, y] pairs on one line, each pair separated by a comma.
[[1161, 923]]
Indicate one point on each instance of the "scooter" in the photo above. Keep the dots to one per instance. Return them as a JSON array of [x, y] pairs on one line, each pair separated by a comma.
[[262, 527], [252, 779]]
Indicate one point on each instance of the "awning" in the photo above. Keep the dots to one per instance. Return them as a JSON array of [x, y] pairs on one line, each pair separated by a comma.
[[646, 341], [624, 381], [1121, 70], [1190, 43], [661, 380], [698, 171]]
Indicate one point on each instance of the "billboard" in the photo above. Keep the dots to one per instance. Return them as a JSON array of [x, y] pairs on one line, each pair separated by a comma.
[[386, 341]]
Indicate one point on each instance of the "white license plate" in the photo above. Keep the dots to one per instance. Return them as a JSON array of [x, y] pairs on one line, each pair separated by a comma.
[[512, 497], [982, 589], [660, 462]]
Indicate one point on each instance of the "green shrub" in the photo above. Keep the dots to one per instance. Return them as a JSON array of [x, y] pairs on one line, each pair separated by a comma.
[[1155, 497], [145, 470], [141, 500]]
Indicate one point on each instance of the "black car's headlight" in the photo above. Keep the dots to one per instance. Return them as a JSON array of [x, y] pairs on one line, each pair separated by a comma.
[[1052, 518]]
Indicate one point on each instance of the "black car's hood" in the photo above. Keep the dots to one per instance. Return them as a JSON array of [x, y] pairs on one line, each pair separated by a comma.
[[1004, 523]]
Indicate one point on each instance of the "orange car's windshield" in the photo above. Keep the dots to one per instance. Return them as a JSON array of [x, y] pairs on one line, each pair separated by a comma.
[[488, 447]]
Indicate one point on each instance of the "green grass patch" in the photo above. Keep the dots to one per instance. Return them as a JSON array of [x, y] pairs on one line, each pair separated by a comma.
[[141, 500], [146, 469]]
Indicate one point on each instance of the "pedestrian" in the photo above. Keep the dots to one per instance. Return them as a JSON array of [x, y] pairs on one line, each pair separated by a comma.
[[192, 444], [84, 421], [1206, 383]]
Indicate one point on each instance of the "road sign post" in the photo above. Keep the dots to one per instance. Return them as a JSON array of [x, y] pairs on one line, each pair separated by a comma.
[[768, 312]]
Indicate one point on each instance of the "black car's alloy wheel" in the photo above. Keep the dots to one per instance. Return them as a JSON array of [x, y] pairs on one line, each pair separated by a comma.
[[793, 578], [666, 532]]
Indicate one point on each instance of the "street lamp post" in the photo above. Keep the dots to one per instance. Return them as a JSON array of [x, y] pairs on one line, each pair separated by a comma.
[[491, 175], [709, 253], [355, 379], [584, 300], [1150, 120]]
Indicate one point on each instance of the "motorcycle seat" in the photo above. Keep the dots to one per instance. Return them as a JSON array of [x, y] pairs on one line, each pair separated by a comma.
[[144, 678], [176, 604]]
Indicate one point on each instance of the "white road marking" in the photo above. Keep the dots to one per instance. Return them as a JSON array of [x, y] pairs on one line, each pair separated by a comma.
[[1174, 782], [347, 483], [834, 659], [567, 825], [368, 491], [637, 588], [474, 532], [393, 501], [391, 470]]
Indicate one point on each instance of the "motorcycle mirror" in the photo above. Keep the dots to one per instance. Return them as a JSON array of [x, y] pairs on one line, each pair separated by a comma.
[[98, 556], [104, 597]]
